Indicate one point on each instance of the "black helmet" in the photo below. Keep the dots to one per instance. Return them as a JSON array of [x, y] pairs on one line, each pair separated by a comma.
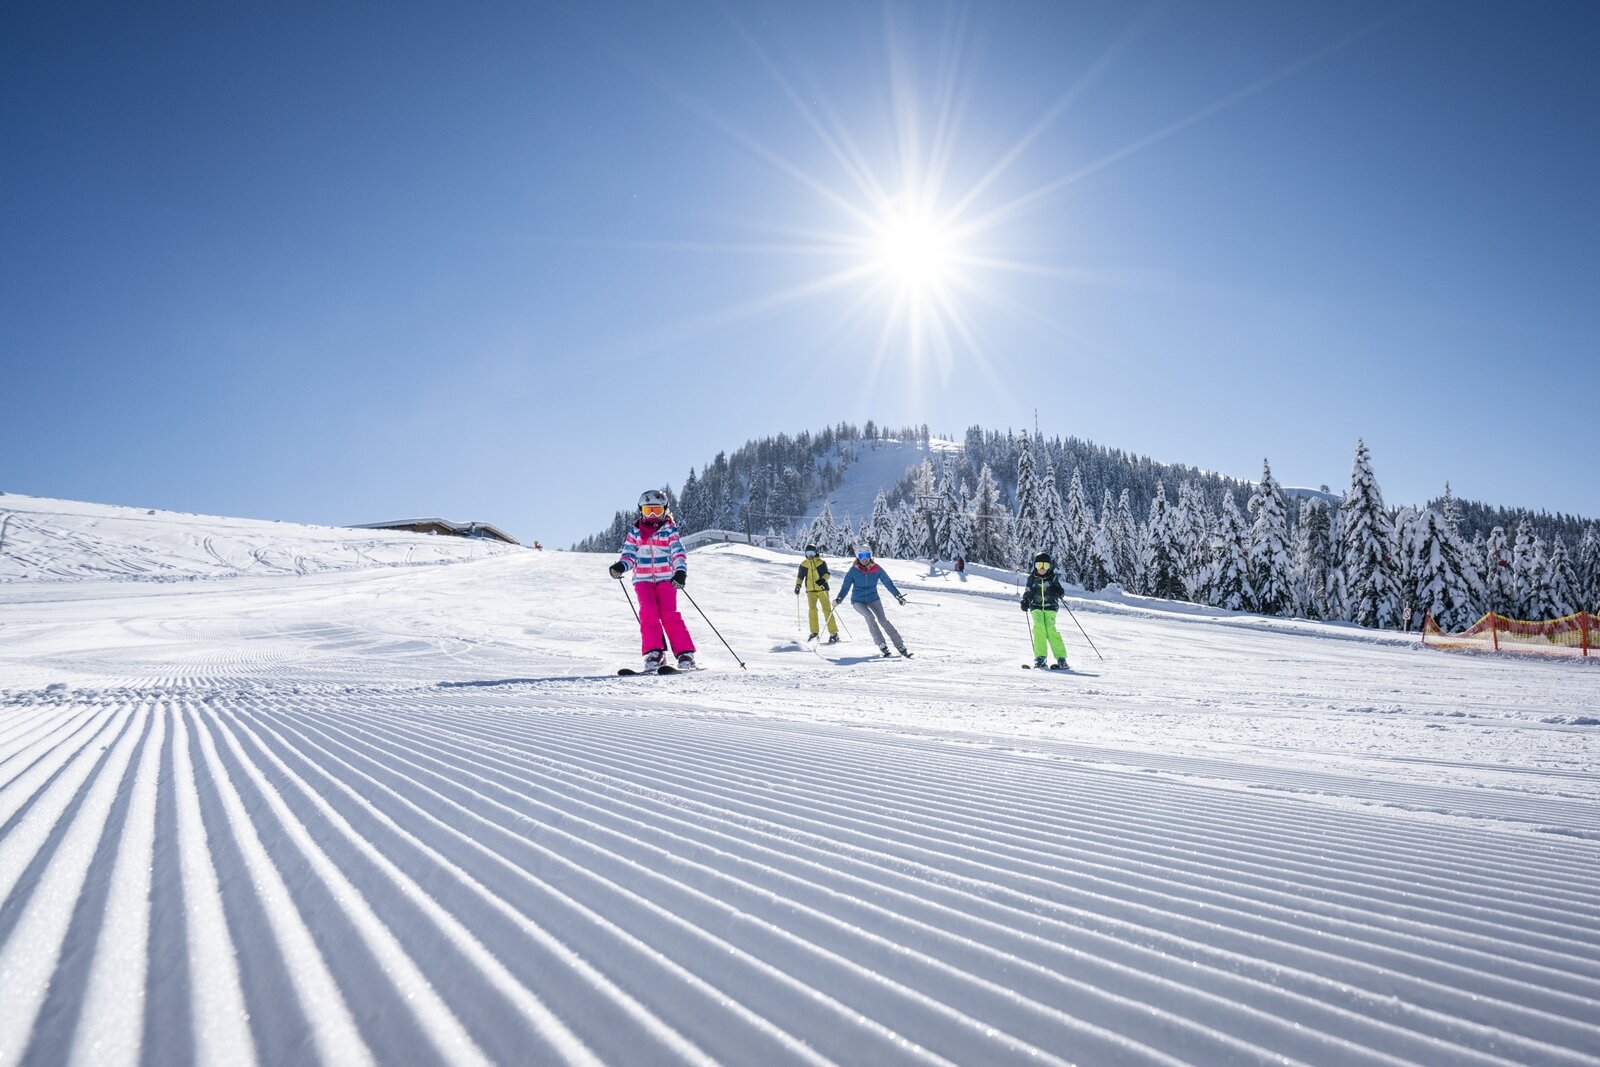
[[811, 549], [1043, 557]]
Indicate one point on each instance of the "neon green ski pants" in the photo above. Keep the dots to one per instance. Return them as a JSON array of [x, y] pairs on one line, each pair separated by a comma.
[[1044, 629]]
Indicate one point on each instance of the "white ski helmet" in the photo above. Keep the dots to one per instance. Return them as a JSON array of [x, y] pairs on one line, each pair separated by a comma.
[[654, 497]]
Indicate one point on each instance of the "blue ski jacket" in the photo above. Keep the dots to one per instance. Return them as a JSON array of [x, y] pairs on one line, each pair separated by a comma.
[[862, 584]]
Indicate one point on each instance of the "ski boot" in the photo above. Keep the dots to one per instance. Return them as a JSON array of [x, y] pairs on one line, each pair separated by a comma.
[[1038, 663], [1059, 665], [904, 653], [652, 661], [813, 637], [686, 661], [885, 650], [833, 639]]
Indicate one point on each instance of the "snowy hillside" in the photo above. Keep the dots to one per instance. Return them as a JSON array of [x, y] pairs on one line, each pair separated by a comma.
[[63, 540], [411, 815], [876, 465]]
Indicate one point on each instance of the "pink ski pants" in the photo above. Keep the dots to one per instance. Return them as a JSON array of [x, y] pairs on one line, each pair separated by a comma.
[[658, 612]]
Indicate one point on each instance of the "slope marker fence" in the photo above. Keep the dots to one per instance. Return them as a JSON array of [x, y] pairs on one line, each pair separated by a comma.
[[1570, 635]]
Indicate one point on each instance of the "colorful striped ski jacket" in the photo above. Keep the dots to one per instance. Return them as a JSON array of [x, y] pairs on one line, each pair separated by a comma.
[[652, 552]]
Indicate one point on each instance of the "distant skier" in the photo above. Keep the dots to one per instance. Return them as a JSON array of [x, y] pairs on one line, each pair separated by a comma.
[[861, 582], [654, 554], [813, 577], [961, 568], [1041, 597]]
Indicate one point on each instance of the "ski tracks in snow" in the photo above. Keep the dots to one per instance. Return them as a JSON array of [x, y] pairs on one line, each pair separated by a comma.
[[261, 874]]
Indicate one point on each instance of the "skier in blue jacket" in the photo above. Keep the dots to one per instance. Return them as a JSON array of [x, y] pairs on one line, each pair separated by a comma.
[[861, 583]]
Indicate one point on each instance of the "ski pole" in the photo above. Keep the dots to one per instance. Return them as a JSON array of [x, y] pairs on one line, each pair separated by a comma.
[[714, 630], [833, 616], [1084, 632], [798, 628], [629, 599]]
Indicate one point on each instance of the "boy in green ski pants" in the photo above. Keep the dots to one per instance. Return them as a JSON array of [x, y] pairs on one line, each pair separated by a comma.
[[1042, 598]]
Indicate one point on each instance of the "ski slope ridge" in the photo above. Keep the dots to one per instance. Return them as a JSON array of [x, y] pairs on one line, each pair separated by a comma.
[[407, 815]]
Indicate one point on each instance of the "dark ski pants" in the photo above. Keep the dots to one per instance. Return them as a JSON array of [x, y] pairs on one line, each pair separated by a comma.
[[878, 622]]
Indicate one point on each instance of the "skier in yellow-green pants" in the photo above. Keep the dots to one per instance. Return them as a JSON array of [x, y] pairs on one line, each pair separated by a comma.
[[813, 578], [1041, 598]]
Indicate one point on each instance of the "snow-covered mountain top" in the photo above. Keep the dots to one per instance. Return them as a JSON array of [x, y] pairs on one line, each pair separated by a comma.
[[67, 540]]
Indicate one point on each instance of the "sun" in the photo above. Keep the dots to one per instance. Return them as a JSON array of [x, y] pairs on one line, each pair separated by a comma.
[[911, 249]]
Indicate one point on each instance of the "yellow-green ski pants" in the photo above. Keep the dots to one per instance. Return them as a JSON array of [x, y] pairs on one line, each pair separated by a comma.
[[1044, 629]]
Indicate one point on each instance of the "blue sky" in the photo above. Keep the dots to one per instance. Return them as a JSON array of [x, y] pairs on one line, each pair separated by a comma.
[[341, 263]]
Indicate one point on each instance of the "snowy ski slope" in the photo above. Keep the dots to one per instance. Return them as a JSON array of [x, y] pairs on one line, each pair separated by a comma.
[[410, 815]]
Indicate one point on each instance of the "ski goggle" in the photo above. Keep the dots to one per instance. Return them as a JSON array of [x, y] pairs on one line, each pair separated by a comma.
[[653, 509], [1041, 567], [810, 553], [863, 554]]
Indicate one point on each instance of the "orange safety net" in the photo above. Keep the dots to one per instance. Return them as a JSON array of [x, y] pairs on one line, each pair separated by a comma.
[[1571, 635]]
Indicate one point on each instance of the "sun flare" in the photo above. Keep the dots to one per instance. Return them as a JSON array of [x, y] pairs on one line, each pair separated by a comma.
[[912, 250]]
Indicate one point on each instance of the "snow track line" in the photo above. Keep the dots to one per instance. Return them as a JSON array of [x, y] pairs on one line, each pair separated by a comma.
[[882, 779], [367, 735], [1419, 1047], [614, 881], [658, 855]]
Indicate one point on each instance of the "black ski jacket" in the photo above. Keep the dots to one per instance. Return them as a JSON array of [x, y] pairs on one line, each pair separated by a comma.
[[1043, 591]]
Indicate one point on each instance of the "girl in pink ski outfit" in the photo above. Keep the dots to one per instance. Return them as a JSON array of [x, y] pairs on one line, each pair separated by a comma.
[[654, 554]]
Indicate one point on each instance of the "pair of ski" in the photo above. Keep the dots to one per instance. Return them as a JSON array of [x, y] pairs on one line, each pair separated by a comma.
[[1036, 667], [665, 668]]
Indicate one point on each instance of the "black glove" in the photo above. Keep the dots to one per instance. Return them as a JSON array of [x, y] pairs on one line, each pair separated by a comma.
[[617, 569], [680, 578], [822, 586], [838, 600], [900, 597], [1024, 605]]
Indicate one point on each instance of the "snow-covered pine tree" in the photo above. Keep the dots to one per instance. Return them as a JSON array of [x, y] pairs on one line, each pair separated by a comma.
[[1527, 566], [1588, 570], [824, 532], [1313, 556], [878, 531], [1270, 561], [1080, 531], [1372, 599], [1442, 588], [1161, 575], [1500, 593], [1230, 560], [1025, 527], [988, 521], [958, 539], [947, 510], [908, 532], [925, 509], [1193, 541], [1563, 596], [1100, 569], [1129, 547], [1403, 551], [1053, 524]]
